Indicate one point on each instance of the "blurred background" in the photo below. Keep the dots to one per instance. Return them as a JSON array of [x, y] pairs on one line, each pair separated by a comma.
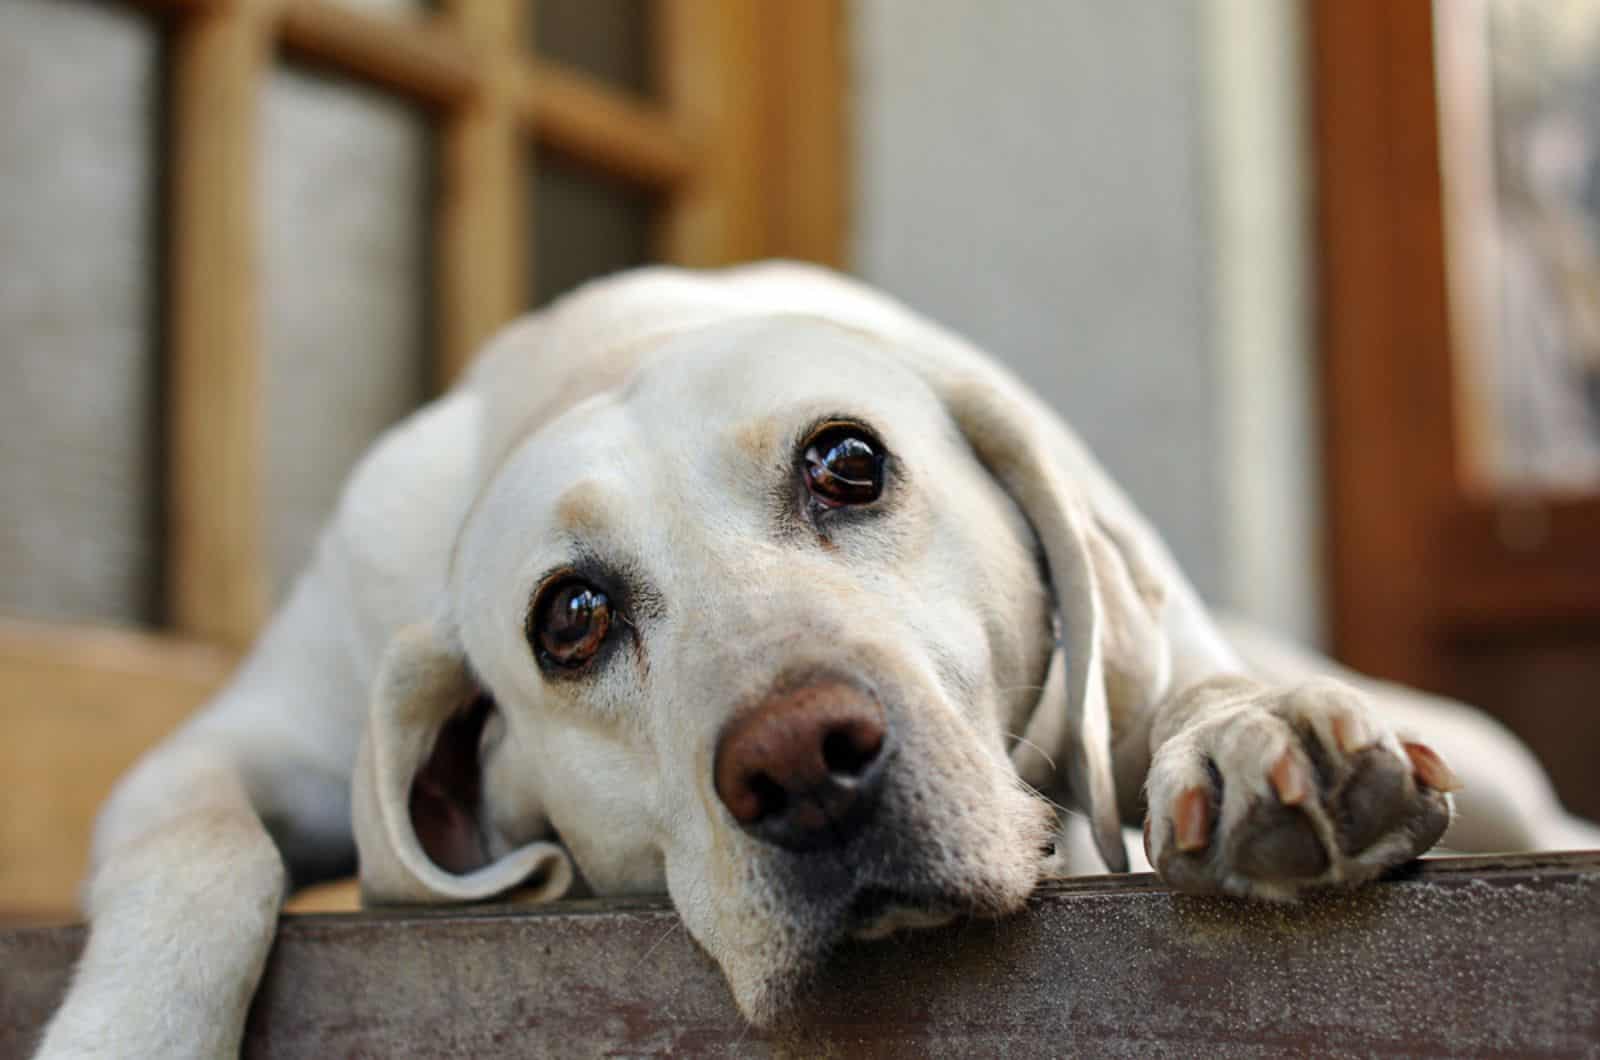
[[1319, 281]]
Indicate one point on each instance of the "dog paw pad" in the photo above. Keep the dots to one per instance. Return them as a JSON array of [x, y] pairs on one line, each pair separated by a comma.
[[1290, 790]]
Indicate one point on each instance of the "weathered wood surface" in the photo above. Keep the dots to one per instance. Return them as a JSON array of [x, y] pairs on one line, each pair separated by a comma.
[[1465, 957]]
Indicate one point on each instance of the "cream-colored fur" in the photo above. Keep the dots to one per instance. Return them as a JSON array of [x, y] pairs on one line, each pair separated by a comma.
[[1025, 630]]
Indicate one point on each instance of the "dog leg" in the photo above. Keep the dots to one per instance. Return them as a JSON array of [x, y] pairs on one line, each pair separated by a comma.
[[1269, 791], [194, 850], [183, 902]]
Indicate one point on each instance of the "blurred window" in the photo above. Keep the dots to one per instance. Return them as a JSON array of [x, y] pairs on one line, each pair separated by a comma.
[[346, 178], [585, 225], [607, 39], [1519, 95], [79, 433]]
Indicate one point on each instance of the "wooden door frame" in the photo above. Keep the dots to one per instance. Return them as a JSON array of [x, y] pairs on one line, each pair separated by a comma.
[[1417, 554]]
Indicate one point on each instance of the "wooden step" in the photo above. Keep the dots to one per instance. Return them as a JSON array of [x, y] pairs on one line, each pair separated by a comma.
[[1464, 956]]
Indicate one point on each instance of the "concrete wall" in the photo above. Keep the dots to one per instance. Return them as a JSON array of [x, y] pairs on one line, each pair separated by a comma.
[[1064, 183], [79, 438], [345, 181]]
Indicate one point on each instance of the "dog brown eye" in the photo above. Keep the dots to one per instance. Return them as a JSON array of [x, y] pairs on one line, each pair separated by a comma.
[[570, 622], [843, 466]]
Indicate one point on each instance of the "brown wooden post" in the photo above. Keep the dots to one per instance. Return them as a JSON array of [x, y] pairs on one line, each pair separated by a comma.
[[711, 82], [806, 78], [216, 579], [1389, 429], [483, 230]]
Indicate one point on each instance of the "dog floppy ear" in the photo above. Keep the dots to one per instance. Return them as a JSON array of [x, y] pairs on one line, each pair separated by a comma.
[[417, 804], [1108, 599]]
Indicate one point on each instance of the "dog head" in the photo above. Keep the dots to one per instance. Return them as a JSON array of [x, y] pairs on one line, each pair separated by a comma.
[[759, 620]]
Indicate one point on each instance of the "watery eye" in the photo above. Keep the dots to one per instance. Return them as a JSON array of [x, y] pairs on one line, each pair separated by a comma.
[[569, 623], [844, 466]]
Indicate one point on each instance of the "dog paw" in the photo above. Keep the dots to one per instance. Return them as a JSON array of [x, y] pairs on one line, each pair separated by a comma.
[[1272, 793]]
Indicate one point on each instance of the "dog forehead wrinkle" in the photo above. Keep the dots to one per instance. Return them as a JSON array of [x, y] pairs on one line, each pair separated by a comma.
[[755, 437], [583, 507]]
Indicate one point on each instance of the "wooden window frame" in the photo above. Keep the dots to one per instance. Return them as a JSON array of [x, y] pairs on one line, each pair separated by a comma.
[[1419, 553], [745, 148]]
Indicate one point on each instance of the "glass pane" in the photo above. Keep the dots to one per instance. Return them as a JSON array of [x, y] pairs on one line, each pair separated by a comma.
[[584, 225], [346, 176], [1519, 89], [608, 39], [401, 7], [79, 442]]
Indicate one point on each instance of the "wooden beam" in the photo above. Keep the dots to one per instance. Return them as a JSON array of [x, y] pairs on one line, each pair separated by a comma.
[[483, 231], [172, 7], [1533, 563], [709, 55], [595, 125], [1388, 416], [1467, 957], [419, 57], [216, 578], [806, 77], [79, 706], [427, 59]]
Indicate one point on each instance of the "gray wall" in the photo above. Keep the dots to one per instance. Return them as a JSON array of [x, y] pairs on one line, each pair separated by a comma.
[[1108, 196], [79, 449], [344, 189], [345, 180], [1031, 174]]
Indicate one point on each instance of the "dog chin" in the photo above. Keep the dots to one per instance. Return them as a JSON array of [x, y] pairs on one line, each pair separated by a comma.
[[908, 873], [879, 913], [770, 997]]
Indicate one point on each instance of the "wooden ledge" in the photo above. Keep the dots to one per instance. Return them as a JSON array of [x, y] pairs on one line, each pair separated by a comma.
[[1468, 956]]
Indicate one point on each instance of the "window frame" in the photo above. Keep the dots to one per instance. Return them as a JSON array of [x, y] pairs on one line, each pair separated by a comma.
[[744, 146]]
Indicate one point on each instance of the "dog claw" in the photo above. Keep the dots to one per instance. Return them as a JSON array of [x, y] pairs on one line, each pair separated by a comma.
[[1430, 768], [1289, 779], [1351, 733], [1191, 819]]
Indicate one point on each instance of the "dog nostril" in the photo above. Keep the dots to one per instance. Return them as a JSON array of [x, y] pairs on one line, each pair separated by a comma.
[[850, 749], [770, 796], [802, 768]]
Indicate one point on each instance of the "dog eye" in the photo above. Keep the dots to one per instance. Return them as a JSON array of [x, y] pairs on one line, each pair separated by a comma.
[[843, 466], [569, 622]]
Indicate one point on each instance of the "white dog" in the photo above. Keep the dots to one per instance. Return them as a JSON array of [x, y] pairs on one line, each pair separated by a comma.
[[760, 590]]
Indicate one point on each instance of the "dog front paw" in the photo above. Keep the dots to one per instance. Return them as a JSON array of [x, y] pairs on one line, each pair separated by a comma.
[[1272, 793]]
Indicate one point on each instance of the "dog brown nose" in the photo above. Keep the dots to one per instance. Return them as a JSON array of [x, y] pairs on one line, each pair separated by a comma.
[[802, 768]]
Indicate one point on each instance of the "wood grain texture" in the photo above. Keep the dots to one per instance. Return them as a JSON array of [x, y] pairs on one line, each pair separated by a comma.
[[761, 90], [1389, 425], [216, 585], [1532, 678], [78, 706], [483, 260], [1434, 580], [173, 7], [1472, 957], [709, 54], [806, 76], [419, 57], [1521, 563], [616, 134]]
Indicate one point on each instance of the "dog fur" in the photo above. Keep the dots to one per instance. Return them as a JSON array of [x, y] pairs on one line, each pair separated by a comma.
[[1030, 640]]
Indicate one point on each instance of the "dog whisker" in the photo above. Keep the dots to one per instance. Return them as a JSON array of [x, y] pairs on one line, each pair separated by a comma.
[[1024, 741]]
